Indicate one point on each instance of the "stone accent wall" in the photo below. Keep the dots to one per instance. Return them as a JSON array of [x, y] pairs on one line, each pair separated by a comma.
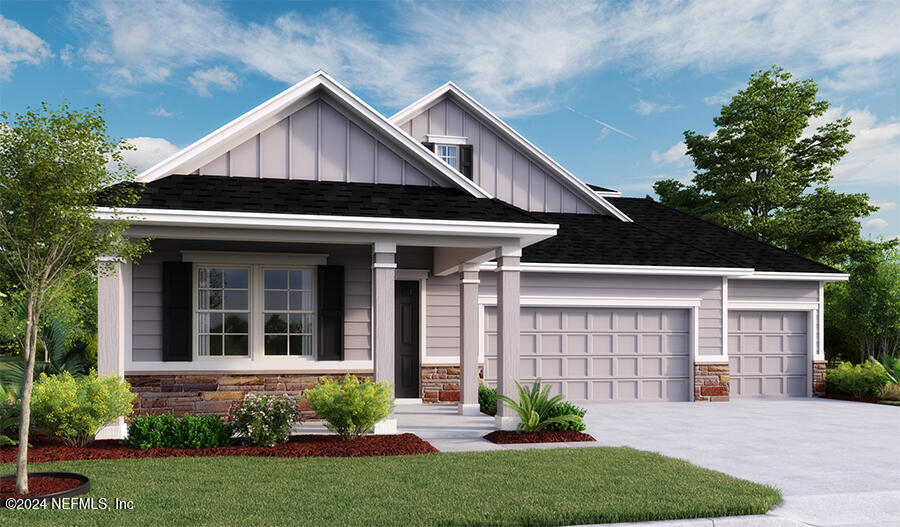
[[441, 383], [215, 393], [711, 381], [818, 377]]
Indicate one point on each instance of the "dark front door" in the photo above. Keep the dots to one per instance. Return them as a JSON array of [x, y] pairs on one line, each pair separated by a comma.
[[406, 333]]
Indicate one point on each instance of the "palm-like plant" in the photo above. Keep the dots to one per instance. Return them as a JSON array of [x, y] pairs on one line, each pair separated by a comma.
[[58, 357], [534, 407], [891, 367]]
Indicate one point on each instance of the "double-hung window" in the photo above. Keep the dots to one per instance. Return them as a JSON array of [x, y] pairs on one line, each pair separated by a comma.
[[449, 154], [223, 311], [288, 311], [255, 311]]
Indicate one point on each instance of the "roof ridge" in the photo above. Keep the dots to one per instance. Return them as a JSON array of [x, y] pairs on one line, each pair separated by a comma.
[[732, 231]]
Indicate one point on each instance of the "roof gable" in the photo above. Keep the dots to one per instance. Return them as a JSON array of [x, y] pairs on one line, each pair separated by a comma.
[[507, 133], [203, 154]]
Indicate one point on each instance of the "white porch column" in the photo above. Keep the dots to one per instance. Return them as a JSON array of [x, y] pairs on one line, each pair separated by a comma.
[[112, 329], [507, 334], [383, 270], [468, 339]]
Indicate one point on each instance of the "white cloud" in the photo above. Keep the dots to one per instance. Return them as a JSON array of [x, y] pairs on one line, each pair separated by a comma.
[[873, 156], [884, 205], [676, 154], [18, 45], [65, 54], [148, 152], [644, 107], [876, 223], [218, 77], [511, 56], [160, 111]]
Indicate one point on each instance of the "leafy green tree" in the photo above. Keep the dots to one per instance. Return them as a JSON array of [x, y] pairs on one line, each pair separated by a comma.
[[53, 164], [862, 315], [763, 174]]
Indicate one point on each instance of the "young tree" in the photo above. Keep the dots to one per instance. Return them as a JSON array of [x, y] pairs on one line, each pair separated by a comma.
[[762, 173], [53, 164]]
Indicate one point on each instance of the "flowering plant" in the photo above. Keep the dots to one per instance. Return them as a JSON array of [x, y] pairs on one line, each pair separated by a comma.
[[265, 420]]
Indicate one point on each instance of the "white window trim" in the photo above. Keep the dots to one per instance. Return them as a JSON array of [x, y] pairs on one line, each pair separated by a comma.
[[256, 333], [447, 139]]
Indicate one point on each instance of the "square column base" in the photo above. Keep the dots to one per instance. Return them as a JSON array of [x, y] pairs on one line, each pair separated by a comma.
[[386, 427], [469, 409], [506, 422], [113, 430]]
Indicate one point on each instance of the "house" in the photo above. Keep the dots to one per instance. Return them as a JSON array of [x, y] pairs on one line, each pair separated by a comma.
[[436, 249]]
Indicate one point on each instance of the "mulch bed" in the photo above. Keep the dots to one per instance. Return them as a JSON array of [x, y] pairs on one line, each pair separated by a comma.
[[38, 486], [850, 398], [505, 437], [51, 449]]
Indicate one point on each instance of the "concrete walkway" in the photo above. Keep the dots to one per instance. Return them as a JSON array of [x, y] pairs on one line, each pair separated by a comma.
[[836, 462]]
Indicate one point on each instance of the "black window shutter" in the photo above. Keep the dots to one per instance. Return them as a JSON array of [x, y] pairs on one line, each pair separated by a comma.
[[428, 145], [177, 317], [465, 160], [330, 291]]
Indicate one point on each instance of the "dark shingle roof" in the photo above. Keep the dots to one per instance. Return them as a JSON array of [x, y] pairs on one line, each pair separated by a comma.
[[728, 244], [238, 194], [600, 239]]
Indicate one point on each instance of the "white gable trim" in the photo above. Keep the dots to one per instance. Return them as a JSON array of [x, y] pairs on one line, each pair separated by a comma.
[[474, 106], [280, 106]]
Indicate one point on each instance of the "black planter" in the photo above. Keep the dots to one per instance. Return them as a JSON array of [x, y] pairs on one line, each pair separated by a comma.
[[75, 491]]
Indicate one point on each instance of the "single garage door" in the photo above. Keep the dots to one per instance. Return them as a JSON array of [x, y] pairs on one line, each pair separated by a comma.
[[767, 353], [593, 354]]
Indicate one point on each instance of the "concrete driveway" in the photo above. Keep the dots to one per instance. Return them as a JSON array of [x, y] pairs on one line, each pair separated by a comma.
[[837, 463]]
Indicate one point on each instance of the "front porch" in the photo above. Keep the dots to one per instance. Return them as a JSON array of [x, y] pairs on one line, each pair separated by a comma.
[[372, 321]]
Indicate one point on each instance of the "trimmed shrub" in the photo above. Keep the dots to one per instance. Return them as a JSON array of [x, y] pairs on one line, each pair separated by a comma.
[[856, 380], [152, 431], [165, 431], [351, 407], [75, 408], [487, 400], [890, 392], [264, 420], [567, 408]]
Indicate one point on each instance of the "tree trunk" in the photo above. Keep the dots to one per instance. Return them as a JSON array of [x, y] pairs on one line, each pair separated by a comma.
[[31, 327]]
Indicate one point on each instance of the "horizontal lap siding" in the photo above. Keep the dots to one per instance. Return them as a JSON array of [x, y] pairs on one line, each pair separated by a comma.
[[498, 167], [442, 316], [707, 289], [773, 290], [147, 291], [318, 143]]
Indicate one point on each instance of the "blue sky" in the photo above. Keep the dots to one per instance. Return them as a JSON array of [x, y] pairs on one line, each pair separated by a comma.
[[606, 88]]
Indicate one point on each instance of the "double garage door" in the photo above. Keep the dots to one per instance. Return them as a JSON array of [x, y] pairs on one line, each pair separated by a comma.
[[595, 354], [615, 354], [768, 353]]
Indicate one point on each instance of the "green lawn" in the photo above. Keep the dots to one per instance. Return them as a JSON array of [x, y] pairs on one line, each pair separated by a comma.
[[532, 487]]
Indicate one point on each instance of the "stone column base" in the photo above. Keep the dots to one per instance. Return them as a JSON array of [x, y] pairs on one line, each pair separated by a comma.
[[469, 409], [711, 381], [506, 422], [818, 377], [113, 430]]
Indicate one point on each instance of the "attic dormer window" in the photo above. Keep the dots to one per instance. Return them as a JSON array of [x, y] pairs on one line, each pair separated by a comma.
[[449, 154]]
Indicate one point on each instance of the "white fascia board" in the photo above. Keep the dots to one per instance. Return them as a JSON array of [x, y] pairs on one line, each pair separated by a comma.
[[771, 275], [625, 269], [608, 193], [280, 106], [567, 177], [527, 232]]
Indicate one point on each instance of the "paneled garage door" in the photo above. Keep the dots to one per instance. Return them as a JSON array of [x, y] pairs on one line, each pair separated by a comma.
[[593, 354], [768, 353]]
